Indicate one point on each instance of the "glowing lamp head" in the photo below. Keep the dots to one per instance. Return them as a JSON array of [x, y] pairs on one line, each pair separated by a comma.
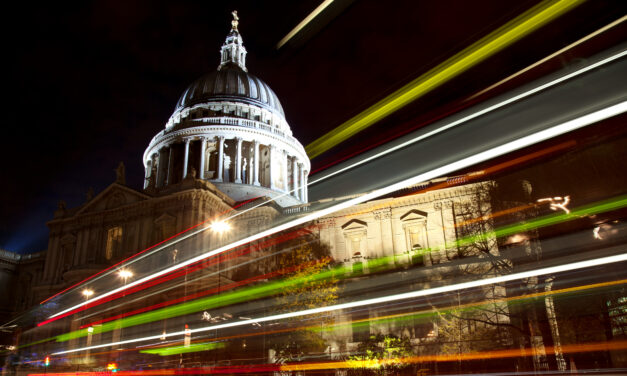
[[124, 273], [220, 226], [90, 329], [88, 292]]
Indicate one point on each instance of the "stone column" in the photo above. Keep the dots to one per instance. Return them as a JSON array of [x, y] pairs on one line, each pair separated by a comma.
[[186, 157], [286, 183], [294, 178], [168, 179], [147, 175], [301, 181], [220, 158], [255, 169], [238, 160], [272, 172], [305, 191], [203, 150]]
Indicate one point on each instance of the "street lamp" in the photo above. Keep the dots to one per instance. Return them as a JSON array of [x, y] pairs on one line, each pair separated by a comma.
[[87, 293], [125, 274], [220, 226]]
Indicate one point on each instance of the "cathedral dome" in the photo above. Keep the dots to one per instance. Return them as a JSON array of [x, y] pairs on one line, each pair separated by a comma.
[[228, 128], [230, 83]]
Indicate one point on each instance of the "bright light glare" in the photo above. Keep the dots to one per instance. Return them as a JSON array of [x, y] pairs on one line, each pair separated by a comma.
[[88, 292], [220, 226], [125, 273], [503, 149]]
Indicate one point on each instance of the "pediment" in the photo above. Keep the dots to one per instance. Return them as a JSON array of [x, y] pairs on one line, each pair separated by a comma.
[[354, 224], [165, 218], [414, 214], [114, 196]]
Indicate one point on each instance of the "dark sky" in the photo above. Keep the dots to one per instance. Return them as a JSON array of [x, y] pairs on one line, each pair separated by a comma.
[[90, 83]]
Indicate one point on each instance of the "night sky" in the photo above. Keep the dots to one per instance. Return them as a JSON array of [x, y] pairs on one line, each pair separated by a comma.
[[90, 83]]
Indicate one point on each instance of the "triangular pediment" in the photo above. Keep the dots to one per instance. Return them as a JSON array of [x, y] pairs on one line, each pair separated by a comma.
[[354, 224], [413, 215], [165, 218], [114, 196]]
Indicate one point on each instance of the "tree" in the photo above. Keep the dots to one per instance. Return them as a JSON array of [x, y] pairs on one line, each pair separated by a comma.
[[307, 259]]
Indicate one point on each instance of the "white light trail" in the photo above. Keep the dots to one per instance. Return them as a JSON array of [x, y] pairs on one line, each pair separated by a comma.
[[474, 115], [304, 23], [365, 160], [554, 54], [503, 149], [383, 299]]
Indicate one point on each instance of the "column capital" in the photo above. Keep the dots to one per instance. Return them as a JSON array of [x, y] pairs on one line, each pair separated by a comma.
[[187, 140]]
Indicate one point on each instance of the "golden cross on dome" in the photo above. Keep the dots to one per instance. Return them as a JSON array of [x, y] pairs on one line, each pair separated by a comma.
[[235, 21]]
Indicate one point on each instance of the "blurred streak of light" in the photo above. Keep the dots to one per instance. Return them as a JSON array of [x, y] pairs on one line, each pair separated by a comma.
[[512, 31], [475, 115], [175, 350], [383, 299], [182, 283], [189, 269], [482, 173], [304, 23], [227, 287], [410, 315], [494, 354], [141, 252], [270, 288], [497, 151], [551, 56]]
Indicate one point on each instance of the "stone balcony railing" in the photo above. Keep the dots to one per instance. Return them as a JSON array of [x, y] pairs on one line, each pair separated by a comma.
[[247, 123]]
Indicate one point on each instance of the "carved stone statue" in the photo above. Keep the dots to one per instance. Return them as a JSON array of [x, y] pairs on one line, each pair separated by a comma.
[[120, 174], [191, 174], [235, 21]]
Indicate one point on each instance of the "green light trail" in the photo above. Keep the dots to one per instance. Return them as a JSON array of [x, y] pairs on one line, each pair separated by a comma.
[[382, 264], [175, 350]]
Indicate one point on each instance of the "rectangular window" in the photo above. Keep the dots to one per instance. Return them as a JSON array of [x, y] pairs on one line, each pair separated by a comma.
[[114, 242]]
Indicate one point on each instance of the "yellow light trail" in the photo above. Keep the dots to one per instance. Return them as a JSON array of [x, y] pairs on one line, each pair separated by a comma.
[[495, 354], [487, 46], [304, 23]]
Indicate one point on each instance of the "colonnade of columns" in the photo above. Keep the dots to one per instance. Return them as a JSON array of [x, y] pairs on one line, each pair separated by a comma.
[[245, 165]]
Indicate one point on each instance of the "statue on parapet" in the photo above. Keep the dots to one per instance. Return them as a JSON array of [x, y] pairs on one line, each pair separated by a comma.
[[120, 174]]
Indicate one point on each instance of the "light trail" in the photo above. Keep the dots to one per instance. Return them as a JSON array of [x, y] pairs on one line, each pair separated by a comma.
[[380, 264], [551, 56], [351, 364], [200, 265], [475, 115], [480, 174], [409, 315], [503, 149], [385, 299], [522, 25], [197, 295], [304, 23], [509, 353]]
